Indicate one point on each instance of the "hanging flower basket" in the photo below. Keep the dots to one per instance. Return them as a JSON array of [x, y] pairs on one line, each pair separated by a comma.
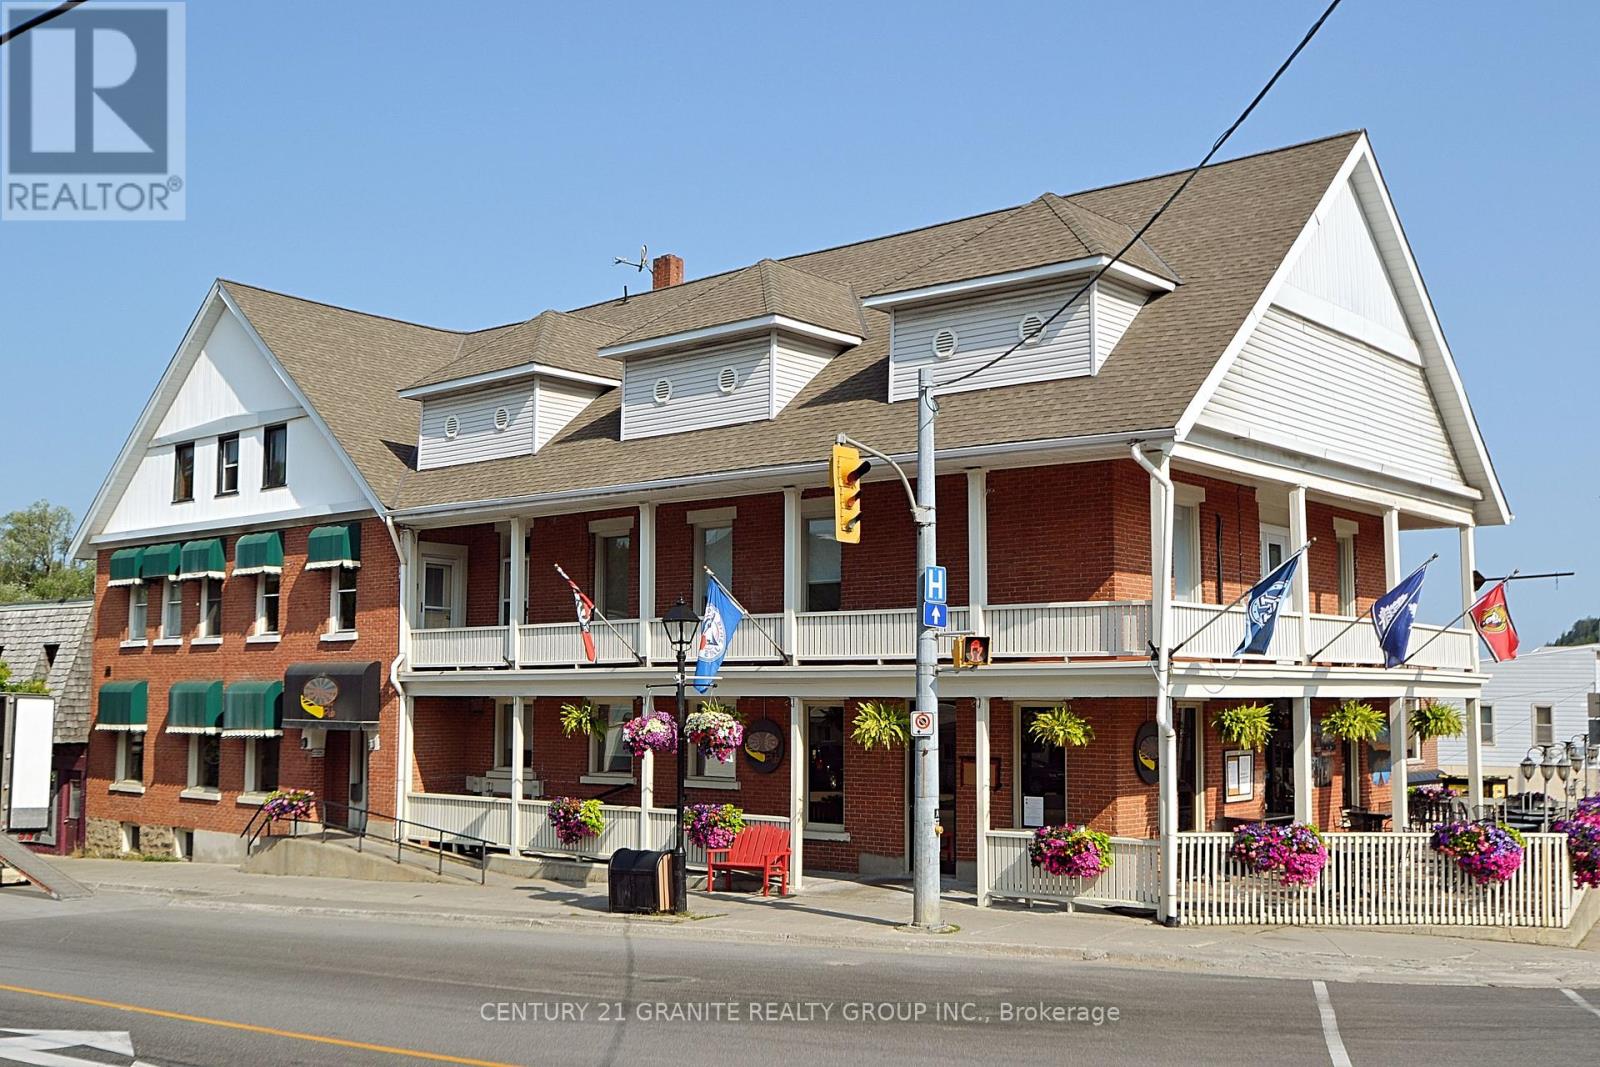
[[575, 819], [1434, 718], [1435, 793], [716, 731], [653, 730], [1071, 851], [712, 826], [1583, 842], [289, 804], [880, 724], [581, 719], [1247, 725], [1489, 854], [1354, 720], [1295, 852]]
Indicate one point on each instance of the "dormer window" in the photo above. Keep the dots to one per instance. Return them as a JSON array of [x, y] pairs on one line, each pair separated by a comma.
[[275, 457], [183, 473]]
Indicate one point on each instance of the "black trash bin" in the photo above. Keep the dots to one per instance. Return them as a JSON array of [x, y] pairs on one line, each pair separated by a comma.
[[639, 881]]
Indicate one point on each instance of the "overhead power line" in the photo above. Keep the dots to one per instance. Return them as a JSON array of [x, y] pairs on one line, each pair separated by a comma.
[[1151, 221], [38, 20]]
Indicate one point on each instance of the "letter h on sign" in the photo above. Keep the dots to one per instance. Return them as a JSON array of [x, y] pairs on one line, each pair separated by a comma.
[[933, 585]]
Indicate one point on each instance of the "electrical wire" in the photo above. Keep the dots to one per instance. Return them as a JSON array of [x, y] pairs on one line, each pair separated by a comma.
[[1151, 221], [38, 20]]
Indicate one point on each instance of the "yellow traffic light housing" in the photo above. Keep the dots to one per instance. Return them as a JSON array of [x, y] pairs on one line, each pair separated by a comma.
[[970, 650], [845, 471]]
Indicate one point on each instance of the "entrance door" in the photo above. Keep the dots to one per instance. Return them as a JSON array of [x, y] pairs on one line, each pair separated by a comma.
[[1274, 548], [358, 782], [1280, 762], [1190, 808], [949, 769]]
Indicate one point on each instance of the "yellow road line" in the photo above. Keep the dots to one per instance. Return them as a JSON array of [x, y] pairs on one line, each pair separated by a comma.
[[320, 1039]]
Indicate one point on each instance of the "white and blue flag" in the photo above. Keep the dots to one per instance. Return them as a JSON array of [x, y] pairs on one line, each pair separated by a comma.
[[1392, 616], [722, 617], [1261, 611]]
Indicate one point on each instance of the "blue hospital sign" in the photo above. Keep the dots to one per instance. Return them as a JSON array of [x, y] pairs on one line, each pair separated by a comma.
[[935, 615], [934, 585]]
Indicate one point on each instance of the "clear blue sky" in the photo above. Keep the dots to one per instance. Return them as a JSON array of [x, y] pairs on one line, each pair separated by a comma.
[[467, 164]]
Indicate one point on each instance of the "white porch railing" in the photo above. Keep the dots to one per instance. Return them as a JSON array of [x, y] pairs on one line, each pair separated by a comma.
[[1099, 628], [662, 829], [1133, 880], [465, 646], [485, 817], [749, 646], [1359, 644], [1377, 879], [885, 633], [1219, 639], [560, 644]]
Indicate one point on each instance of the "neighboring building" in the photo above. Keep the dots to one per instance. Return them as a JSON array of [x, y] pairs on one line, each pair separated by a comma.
[[49, 642], [1543, 697], [1244, 350]]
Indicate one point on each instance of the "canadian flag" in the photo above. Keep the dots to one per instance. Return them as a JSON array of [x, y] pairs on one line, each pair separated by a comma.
[[585, 609], [1491, 616]]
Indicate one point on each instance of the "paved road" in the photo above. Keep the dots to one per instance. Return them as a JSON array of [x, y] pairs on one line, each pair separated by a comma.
[[474, 994]]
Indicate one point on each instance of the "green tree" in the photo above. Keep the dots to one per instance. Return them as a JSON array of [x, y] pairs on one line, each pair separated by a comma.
[[33, 556], [1582, 632], [8, 686]]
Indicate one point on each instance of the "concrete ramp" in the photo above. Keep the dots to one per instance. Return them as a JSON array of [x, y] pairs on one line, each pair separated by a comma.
[[36, 869]]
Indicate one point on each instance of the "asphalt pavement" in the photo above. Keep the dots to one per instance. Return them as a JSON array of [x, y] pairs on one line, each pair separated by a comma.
[[200, 984]]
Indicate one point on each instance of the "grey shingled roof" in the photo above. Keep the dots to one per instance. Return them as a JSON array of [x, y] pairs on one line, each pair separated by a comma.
[[1223, 238], [24, 631], [767, 288], [552, 338]]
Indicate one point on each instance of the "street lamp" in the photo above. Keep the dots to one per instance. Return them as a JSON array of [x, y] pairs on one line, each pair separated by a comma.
[[680, 622], [1567, 760]]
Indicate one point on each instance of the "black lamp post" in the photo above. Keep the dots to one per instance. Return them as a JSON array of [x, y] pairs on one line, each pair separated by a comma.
[[680, 622]]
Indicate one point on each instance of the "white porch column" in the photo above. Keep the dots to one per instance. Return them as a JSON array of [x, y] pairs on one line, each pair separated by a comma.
[[977, 552], [797, 791], [1303, 781], [980, 722], [405, 743], [1474, 754], [1399, 728], [647, 581], [1299, 535], [793, 574], [517, 589], [1161, 516], [647, 792], [517, 743]]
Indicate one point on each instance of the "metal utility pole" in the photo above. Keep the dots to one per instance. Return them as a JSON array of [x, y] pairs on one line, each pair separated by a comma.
[[925, 750]]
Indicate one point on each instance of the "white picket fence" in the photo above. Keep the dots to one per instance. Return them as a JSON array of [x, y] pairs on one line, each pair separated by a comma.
[[1133, 880], [1373, 879]]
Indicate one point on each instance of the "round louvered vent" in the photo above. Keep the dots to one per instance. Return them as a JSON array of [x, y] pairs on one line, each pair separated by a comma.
[[663, 390], [1031, 329], [452, 426], [727, 380], [502, 418], [944, 343]]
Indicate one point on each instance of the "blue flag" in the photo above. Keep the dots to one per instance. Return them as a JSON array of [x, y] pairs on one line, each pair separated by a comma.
[[722, 617], [1261, 610], [1392, 616]]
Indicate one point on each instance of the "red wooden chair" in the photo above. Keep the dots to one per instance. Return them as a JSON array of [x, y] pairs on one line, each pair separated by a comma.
[[761, 847]]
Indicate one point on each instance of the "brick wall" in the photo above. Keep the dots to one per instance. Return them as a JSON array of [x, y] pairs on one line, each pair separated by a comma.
[[303, 618], [482, 542], [566, 540]]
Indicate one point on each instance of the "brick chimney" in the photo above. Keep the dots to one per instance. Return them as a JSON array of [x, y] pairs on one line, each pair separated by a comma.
[[666, 270]]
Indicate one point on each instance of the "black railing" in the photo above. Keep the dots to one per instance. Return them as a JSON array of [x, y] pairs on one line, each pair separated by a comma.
[[261, 823]]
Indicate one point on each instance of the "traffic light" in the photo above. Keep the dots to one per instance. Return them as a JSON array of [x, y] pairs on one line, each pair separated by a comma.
[[970, 650], [845, 471]]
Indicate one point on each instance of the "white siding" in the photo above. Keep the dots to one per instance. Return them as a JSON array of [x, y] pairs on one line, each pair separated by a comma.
[[1560, 677], [987, 325], [1305, 388], [1115, 305], [696, 401], [229, 378], [799, 360], [477, 438], [557, 403]]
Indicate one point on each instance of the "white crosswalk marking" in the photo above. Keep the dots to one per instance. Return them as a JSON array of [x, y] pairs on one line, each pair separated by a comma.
[[1330, 1026], [46, 1048], [1580, 1002]]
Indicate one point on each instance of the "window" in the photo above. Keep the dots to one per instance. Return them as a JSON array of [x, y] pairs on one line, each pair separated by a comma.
[[227, 464], [438, 593], [267, 604], [610, 754], [825, 766], [205, 760], [50, 652], [261, 764], [824, 566], [613, 566], [713, 547], [1544, 724], [1347, 575], [1486, 724], [505, 585], [183, 472], [130, 756], [342, 600], [138, 612], [172, 611], [275, 456], [710, 769], [1041, 776], [210, 608], [502, 733], [1186, 582]]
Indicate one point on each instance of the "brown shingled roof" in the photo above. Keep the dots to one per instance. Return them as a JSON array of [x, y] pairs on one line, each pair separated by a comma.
[[766, 288], [552, 338]]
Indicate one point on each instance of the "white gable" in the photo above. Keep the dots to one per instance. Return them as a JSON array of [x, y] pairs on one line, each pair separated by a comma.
[[508, 420], [228, 378]]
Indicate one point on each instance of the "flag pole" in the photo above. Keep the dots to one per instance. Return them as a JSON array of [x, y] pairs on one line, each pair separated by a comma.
[[762, 630], [1361, 616], [1446, 627], [1220, 615], [594, 610]]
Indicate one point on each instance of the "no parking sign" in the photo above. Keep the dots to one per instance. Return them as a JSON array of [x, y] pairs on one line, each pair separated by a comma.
[[922, 723]]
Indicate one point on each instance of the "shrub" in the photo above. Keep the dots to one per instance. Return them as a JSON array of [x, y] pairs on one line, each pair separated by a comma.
[[877, 723], [1433, 718], [1061, 727], [1354, 721], [1245, 724], [580, 719]]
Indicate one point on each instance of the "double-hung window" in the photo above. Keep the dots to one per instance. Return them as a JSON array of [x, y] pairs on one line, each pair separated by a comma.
[[261, 764], [713, 548], [228, 464], [205, 761], [710, 770], [342, 600], [267, 587], [275, 456], [608, 752], [172, 610], [138, 612], [130, 756], [824, 565], [1544, 724], [210, 608], [1486, 723], [613, 568], [1188, 584], [504, 741]]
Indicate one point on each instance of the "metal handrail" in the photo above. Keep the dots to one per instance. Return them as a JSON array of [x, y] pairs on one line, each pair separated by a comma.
[[400, 842]]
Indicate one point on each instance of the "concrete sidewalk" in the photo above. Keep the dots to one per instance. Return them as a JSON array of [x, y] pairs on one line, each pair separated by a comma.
[[854, 915]]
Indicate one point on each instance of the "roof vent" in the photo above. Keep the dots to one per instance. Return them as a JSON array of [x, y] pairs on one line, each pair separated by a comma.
[[944, 343], [728, 380], [663, 390], [452, 427], [1031, 329], [502, 418]]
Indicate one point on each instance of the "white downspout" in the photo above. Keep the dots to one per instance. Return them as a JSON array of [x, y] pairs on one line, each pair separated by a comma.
[[1161, 602], [402, 745]]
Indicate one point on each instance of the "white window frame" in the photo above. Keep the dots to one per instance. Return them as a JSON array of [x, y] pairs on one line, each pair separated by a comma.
[[252, 764], [224, 468], [172, 610], [599, 531], [203, 632], [1187, 516], [505, 582], [814, 508], [196, 741], [454, 559], [1533, 722], [703, 520], [1344, 532], [138, 609], [703, 773], [805, 710], [1485, 724], [124, 745], [502, 734], [259, 627], [598, 774], [336, 578]]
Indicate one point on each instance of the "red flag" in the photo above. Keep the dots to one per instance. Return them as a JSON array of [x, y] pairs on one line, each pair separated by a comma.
[[585, 609], [1492, 618]]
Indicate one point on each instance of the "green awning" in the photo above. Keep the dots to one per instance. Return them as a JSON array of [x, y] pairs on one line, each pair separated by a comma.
[[258, 553], [123, 706], [334, 546], [194, 707], [202, 559], [161, 561], [253, 709], [127, 566]]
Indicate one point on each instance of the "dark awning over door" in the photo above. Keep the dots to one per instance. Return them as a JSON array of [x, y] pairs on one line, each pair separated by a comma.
[[339, 695]]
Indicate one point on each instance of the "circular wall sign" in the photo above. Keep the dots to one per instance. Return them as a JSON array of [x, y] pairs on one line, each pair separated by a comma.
[[763, 746], [1147, 753]]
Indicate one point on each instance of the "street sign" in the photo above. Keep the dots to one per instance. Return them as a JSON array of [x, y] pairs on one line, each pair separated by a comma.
[[922, 723], [934, 585], [935, 615]]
